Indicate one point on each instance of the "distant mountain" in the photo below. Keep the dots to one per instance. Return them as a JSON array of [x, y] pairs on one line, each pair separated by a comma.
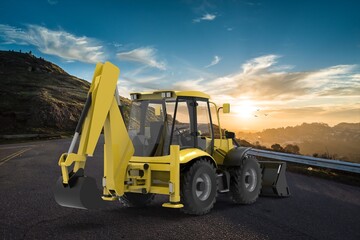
[[37, 96], [341, 141]]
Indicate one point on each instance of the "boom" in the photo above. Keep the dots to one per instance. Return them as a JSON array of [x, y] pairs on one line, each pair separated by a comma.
[[101, 111]]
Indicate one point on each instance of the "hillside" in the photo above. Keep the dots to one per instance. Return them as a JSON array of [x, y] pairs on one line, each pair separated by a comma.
[[37, 96], [341, 141]]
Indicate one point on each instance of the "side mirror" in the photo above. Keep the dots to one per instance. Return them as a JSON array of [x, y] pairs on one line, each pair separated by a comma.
[[226, 108], [229, 135]]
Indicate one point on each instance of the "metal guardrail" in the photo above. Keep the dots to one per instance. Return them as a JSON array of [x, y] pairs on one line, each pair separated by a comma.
[[318, 162]]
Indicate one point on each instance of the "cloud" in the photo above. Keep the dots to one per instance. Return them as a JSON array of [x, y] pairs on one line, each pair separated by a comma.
[[332, 114], [289, 97], [326, 94], [215, 61], [259, 64], [205, 17], [262, 79], [128, 84], [144, 55], [190, 84], [141, 79], [58, 43]]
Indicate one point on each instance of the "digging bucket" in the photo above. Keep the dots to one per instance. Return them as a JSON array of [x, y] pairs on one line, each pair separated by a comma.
[[81, 192]]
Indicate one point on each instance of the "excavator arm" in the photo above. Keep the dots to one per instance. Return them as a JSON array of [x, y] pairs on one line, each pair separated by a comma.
[[101, 111]]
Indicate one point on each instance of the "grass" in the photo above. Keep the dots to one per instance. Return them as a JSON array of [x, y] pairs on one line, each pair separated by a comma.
[[330, 174]]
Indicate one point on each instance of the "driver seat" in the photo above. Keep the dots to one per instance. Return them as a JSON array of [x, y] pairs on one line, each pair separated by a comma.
[[156, 139]]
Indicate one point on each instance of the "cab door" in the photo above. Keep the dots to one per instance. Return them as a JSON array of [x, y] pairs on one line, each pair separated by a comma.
[[204, 130], [192, 125]]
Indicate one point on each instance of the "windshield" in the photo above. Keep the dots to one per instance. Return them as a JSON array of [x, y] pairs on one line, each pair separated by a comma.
[[152, 127], [147, 127]]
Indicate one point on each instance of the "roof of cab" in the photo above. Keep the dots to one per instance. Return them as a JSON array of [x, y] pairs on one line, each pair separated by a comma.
[[174, 94]]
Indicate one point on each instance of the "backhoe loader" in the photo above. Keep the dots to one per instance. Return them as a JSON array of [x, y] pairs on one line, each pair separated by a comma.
[[173, 145]]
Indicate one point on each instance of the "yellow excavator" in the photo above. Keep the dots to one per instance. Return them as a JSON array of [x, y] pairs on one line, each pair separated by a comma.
[[172, 144]]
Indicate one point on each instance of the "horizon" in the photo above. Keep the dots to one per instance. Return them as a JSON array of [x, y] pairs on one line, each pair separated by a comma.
[[277, 64], [292, 126]]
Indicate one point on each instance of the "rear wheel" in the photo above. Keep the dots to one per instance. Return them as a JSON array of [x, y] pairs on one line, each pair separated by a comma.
[[245, 181], [136, 199], [198, 188]]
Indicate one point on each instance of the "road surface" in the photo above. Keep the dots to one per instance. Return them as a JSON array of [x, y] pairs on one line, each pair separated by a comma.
[[317, 209]]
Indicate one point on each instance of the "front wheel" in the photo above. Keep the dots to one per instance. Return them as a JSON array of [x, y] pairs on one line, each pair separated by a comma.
[[198, 188], [245, 181]]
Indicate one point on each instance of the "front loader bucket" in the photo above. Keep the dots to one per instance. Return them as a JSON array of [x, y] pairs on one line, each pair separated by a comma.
[[81, 193], [273, 179]]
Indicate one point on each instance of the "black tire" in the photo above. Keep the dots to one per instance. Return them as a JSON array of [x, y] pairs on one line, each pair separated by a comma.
[[136, 199], [245, 181], [198, 187]]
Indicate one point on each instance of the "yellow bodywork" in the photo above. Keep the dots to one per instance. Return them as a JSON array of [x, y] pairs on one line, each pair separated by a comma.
[[189, 154], [124, 172], [160, 175], [103, 113], [174, 94], [221, 147]]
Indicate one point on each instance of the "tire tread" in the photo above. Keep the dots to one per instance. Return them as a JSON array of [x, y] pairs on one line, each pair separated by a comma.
[[186, 176], [236, 194]]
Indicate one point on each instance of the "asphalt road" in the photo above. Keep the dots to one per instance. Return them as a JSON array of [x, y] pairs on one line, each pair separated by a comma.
[[317, 209]]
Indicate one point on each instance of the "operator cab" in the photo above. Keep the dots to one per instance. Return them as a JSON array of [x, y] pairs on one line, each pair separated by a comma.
[[160, 119]]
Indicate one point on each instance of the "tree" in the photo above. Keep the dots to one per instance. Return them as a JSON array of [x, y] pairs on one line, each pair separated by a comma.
[[292, 149], [277, 147]]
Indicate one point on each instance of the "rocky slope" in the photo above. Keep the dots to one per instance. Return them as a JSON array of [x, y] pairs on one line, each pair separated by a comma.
[[37, 96]]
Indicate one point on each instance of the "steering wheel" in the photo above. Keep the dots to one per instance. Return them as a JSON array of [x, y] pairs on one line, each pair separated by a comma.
[[184, 135]]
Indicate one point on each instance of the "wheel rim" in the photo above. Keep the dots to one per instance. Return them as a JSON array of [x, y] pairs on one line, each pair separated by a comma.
[[203, 186], [250, 179]]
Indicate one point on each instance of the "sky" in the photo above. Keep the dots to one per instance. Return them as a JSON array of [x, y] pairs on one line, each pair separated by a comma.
[[278, 63]]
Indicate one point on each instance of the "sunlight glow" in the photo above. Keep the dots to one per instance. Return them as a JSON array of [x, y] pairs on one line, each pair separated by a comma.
[[246, 109]]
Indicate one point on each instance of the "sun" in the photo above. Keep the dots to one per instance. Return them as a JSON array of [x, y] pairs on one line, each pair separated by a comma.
[[246, 109]]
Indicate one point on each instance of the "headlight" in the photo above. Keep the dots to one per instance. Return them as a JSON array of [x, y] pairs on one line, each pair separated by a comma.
[[134, 96], [166, 94]]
